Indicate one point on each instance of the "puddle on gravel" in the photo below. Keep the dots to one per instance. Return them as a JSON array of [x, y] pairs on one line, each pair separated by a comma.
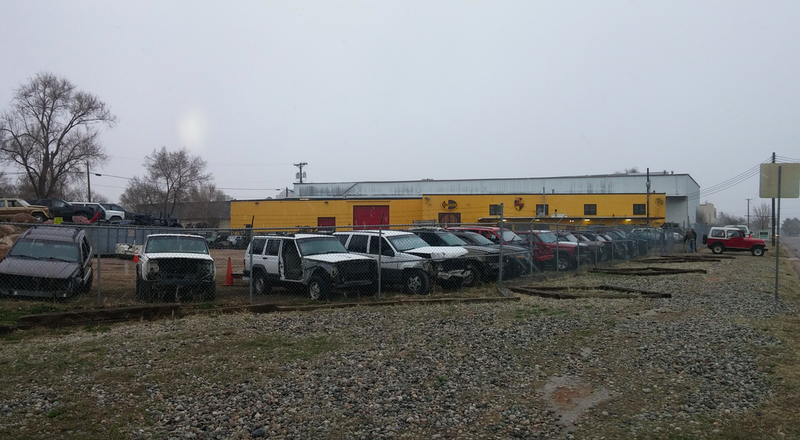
[[570, 397]]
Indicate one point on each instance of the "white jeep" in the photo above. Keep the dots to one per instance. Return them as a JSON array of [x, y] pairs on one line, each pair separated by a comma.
[[175, 267], [315, 263]]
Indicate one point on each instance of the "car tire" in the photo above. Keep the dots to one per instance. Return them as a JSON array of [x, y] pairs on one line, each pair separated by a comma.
[[40, 217], [717, 248], [319, 288], [144, 292], [416, 282], [88, 286], [208, 292], [757, 251], [472, 275], [260, 284], [562, 263]]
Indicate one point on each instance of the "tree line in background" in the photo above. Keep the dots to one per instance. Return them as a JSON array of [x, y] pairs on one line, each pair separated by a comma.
[[50, 134], [760, 219]]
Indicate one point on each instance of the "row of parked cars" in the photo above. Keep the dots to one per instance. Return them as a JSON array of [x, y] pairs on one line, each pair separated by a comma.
[[56, 262], [47, 209], [416, 258]]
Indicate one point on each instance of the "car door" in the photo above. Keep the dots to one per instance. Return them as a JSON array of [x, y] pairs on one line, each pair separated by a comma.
[[391, 269], [735, 239], [256, 251], [271, 257]]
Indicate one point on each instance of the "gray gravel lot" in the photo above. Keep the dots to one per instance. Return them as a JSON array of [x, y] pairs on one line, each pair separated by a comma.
[[537, 368]]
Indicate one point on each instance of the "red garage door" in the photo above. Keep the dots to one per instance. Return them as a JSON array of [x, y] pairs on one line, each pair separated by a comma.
[[369, 217]]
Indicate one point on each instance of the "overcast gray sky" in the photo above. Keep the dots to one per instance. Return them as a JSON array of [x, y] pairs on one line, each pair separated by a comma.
[[406, 90]]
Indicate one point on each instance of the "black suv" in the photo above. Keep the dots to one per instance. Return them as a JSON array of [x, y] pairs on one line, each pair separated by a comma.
[[48, 262]]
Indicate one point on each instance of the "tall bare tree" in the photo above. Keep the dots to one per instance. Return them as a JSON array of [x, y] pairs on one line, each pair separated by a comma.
[[171, 176], [730, 219], [50, 132], [208, 203], [761, 216]]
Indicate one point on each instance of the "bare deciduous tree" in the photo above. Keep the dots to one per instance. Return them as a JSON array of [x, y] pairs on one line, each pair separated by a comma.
[[50, 133], [631, 170], [761, 216], [730, 219], [207, 202], [701, 217], [171, 176]]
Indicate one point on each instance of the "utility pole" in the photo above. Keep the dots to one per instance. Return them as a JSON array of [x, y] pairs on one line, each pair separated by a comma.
[[88, 184], [748, 213], [300, 174], [772, 235]]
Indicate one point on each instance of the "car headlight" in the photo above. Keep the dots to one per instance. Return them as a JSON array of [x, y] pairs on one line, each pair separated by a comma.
[[152, 266]]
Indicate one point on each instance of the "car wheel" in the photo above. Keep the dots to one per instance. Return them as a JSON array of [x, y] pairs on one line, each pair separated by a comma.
[[717, 248], [260, 284], [562, 263], [144, 291], [758, 251], [208, 292], [472, 276], [88, 286], [40, 217], [318, 288], [416, 282]]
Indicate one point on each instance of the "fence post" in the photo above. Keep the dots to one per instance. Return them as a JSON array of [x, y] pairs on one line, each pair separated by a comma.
[[98, 278]]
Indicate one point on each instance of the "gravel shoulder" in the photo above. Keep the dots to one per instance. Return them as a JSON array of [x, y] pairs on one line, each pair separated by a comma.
[[691, 366]]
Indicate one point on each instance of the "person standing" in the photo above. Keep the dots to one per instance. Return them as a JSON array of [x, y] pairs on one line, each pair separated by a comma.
[[687, 244], [692, 241]]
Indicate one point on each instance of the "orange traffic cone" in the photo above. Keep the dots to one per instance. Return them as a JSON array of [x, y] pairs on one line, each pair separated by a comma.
[[135, 258], [229, 274]]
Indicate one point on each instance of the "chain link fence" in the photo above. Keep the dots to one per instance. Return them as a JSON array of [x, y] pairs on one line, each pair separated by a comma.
[[114, 266]]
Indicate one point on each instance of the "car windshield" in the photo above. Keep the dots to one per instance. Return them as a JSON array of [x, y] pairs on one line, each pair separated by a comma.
[[478, 239], [404, 242], [568, 237], [451, 239], [547, 237], [23, 202], [320, 245], [510, 237], [172, 243], [45, 250]]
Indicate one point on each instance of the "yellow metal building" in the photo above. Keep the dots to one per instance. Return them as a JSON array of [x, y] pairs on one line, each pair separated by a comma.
[[587, 209]]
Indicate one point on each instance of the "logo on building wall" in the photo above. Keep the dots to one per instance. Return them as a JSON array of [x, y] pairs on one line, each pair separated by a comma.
[[449, 205], [518, 204]]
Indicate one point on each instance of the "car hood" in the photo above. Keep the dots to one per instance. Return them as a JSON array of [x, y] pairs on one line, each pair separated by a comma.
[[438, 252], [188, 256], [336, 257], [34, 268]]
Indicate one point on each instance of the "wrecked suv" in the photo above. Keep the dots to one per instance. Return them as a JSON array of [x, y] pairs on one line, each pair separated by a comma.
[[175, 267], [48, 262], [315, 263]]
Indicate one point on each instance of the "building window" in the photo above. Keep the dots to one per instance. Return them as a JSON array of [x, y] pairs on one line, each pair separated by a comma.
[[542, 210], [639, 209], [590, 209]]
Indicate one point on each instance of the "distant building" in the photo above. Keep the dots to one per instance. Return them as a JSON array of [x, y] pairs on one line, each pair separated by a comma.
[[707, 213], [611, 199]]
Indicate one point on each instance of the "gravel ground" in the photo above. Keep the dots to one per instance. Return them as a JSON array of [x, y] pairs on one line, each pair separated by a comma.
[[537, 368]]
